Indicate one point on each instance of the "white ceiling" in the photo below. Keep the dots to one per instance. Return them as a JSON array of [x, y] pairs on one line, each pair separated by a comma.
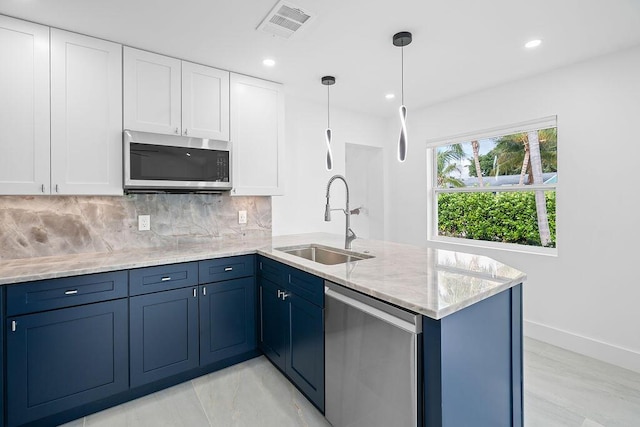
[[459, 46]]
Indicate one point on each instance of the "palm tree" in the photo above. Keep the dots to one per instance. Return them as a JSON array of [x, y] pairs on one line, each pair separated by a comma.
[[533, 144], [475, 145], [446, 159], [514, 155]]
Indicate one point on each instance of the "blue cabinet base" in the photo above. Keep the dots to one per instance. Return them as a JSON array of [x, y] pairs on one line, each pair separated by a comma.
[[473, 361], [91, 408]]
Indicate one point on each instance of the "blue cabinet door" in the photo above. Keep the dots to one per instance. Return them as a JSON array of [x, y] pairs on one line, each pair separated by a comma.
[[305, 358], [2, 357], [227, 319], [60, 359], [163, 334], [273, 323]]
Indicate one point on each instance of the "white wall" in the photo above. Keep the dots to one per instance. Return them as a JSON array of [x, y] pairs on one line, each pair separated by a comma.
[[301, 209], [586, 298]]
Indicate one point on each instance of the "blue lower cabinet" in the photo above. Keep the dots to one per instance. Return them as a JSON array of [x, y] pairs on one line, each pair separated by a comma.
[[2, 356], [273, 323], [291, 331], [61, 359], [227, 319], [163, 334], [475, 352], [305, 359]]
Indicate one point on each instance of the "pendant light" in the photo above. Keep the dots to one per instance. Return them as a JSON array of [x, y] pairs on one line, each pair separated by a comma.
[[328, 81], [401, 40]]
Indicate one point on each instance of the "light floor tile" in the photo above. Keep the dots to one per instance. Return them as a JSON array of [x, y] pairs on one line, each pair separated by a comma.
[[175, 406], [562, 389], [254, 393]]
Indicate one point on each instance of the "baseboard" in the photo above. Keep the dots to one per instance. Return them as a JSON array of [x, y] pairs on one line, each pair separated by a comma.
[[606, 352]]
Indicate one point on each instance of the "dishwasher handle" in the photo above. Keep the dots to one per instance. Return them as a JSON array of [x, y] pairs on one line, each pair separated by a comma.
[[414, 328]]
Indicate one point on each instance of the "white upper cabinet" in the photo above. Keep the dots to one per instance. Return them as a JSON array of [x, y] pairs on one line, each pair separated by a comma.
[[24, 107], [169, 96], [205, 102], [151, 92], [86, 115], [257, 136]]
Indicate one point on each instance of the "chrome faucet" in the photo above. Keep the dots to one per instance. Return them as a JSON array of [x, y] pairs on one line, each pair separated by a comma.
[[349, 235]]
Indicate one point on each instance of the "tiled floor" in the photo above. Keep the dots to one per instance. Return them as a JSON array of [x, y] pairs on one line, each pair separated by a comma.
[[562, 389]]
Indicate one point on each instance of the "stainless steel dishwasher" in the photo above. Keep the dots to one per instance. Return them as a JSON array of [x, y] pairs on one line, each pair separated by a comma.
[[371, 361]]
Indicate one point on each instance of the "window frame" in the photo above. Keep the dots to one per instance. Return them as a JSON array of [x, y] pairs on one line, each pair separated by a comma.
[[433, 191]]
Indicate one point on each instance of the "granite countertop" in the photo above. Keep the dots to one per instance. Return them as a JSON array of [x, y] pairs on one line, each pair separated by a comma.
[[432, 282]]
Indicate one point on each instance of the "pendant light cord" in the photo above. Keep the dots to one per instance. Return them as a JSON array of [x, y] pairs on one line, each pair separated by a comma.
[[328, 116], [402, 72]]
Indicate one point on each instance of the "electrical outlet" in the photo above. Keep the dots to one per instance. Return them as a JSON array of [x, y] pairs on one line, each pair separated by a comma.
[[242, 217], [144, 222]]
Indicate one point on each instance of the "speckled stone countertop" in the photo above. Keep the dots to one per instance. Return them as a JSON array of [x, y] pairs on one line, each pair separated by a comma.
[[432, 282]]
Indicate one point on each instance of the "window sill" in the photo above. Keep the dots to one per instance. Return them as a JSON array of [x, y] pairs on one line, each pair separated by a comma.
[[509, 247]]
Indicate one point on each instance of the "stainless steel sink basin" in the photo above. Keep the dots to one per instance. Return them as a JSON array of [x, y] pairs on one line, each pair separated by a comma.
[[324, 254]]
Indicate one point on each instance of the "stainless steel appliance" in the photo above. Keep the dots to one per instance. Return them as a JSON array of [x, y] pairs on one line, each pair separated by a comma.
[[172, 163], [372, 353]]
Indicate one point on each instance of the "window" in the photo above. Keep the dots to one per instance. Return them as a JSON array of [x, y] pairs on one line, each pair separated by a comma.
[[496, 186]]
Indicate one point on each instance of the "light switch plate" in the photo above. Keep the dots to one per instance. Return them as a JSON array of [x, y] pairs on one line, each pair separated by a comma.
[[144, 222], [242, 217]]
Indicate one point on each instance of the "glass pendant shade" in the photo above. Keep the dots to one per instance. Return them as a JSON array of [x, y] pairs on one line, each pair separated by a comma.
[[403, 141], [327, 136]]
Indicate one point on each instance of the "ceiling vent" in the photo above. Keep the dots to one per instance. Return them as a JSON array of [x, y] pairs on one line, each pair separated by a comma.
[[285, 20]]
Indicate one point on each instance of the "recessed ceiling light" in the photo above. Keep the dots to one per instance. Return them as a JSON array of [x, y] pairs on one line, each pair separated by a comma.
[[269, 62], [389, 96], [533, 43]]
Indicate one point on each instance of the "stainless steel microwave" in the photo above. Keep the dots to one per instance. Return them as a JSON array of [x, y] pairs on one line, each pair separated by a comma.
[[172, 163]]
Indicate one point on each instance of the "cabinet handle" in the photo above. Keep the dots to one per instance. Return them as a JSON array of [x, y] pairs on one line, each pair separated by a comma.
[[186, 132], [165, 279], [14, 325], [204, 292], [228, 269], [57, 189], [280, 293], [71, 292], [43, 188], [177, 130], [195, 292], [285, 295]]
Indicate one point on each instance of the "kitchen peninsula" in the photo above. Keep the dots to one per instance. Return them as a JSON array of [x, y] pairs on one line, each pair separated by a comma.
[[471, 352]]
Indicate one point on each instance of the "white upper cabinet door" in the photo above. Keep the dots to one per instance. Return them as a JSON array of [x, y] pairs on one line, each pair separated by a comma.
[[24, 107], [86, 115], [257, 136], [205, 102], [152, 98]]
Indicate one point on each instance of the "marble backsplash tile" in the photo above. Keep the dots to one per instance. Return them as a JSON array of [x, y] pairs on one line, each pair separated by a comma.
[[37, 226]]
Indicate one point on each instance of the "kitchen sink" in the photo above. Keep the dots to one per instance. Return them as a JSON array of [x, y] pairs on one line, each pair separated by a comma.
[[324, 254]]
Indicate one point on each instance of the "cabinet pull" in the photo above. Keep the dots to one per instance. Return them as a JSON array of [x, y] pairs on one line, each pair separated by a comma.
[[14, 325], [280, 293], [228, 269], [185, 132], [177, 131], [165, 279], [43, 188], [204, 292], [285, 295], [195, 292], [71, 292], [57, 189]]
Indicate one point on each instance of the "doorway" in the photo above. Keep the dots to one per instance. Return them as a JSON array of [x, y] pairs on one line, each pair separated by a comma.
[[364, 170]]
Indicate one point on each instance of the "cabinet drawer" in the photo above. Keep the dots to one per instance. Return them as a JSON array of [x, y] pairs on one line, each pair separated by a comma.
[[306, 286], [272, 270], [216, 270], [50, 294], [163, 277]]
